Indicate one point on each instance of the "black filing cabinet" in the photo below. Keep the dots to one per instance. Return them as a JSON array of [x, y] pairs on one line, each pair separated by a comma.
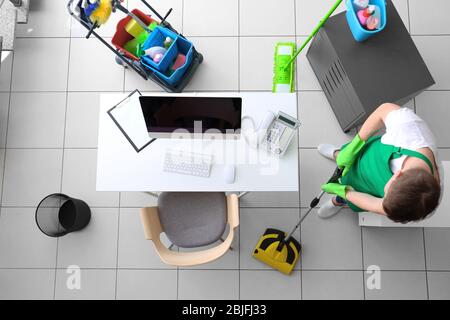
[[359, 76]]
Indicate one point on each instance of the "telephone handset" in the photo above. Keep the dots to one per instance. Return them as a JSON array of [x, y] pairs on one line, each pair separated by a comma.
[[278, 132]]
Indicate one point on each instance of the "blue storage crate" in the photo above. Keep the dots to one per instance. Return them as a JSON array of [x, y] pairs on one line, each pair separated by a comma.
[[183, 46], [358, 31], [156, 39]]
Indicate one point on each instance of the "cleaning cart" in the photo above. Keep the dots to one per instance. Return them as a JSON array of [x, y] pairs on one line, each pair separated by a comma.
[[171, 80]]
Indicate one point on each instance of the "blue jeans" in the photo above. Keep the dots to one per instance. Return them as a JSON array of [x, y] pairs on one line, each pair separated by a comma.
[[341, 200]]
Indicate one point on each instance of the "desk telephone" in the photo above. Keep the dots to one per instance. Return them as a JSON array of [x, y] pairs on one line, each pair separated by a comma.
[[280, 130]]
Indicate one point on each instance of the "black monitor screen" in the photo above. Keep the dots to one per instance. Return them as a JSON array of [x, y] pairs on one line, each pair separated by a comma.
[[166, 114]]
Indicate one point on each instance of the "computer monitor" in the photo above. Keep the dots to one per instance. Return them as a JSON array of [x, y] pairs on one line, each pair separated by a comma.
[[210, 116]]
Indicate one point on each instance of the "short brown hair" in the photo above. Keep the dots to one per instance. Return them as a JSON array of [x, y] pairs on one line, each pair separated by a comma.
[[412, 196]]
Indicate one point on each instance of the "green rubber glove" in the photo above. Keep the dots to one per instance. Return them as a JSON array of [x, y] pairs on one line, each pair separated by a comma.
[[336, 188], [348, 155]]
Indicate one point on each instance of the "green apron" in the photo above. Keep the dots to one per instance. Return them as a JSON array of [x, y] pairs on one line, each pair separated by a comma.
[[371, 171]]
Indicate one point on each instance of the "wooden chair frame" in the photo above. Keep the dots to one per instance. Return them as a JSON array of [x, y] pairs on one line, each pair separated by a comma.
[[153, 229]]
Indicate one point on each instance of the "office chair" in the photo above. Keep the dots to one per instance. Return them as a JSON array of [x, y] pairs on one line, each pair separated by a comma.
[[191, 220]]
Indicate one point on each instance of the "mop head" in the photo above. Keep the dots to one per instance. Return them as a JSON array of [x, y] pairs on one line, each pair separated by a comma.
[[284, 77], [102, 12], [267, 252]]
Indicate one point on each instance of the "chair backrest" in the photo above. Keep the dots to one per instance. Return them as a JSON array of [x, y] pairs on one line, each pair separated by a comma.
[[153, 229]]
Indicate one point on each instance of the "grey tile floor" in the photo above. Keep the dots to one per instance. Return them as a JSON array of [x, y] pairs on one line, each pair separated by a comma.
[[49, 94]]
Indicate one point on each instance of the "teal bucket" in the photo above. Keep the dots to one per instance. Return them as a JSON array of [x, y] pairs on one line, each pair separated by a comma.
[[358, 31]]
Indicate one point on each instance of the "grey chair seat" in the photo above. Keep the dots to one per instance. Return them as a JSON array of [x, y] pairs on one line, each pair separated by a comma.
[[193, 219]]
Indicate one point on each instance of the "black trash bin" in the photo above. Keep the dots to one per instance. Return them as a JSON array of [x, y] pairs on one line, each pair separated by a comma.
[[59, 214]]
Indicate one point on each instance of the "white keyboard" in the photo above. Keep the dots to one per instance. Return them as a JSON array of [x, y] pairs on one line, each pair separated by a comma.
[[183, 162]]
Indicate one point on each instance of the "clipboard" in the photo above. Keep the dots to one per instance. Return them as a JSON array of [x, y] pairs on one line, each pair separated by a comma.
[[128, 117]]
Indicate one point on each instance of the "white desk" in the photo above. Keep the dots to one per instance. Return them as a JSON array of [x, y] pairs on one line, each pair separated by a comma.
[[121, 168]]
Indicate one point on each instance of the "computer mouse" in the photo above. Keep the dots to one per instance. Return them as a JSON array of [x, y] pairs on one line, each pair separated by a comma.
[[229, 173]]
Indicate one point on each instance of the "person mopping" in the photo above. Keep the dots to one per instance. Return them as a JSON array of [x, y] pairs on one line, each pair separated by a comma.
[[396, 174]]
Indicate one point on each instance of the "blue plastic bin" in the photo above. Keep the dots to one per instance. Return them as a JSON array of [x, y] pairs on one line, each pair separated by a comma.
[[183, 46], [359, 32], [156, 39]]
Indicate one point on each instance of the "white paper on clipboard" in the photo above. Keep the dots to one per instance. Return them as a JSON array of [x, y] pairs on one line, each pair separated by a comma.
[[129, 118]]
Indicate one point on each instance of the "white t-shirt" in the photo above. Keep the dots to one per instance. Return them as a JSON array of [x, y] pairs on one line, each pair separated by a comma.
[[407, 130]]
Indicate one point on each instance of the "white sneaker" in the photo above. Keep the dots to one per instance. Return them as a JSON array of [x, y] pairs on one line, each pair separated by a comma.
[[327, 150], [328, 209]]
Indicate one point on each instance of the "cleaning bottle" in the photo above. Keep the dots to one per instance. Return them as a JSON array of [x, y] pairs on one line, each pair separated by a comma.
[[361, 4], [374, 21], [168, 42], [155, 53], [364, 14]]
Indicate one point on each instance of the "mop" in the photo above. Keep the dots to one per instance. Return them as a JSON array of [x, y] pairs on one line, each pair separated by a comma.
[[284, 69]]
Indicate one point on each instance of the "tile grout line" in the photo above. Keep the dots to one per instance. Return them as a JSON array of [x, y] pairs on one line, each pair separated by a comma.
[[282, 36], [182, 16], [138, 207], [301, 225], [182, 31], [92, 207], [7, 129], [117, 249], [222, 269], [298, 150], [362, 263], [185, 91], [51, 148], [300, 209], [239, 88], [425, 262], [124, 82], [314, 148], [243, 36], [239, 44], [409, 17], [429, 35], [178, 283], [63, 152]]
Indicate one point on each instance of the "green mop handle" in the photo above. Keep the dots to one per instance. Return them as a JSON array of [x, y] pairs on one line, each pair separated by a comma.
[[316, 29]]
